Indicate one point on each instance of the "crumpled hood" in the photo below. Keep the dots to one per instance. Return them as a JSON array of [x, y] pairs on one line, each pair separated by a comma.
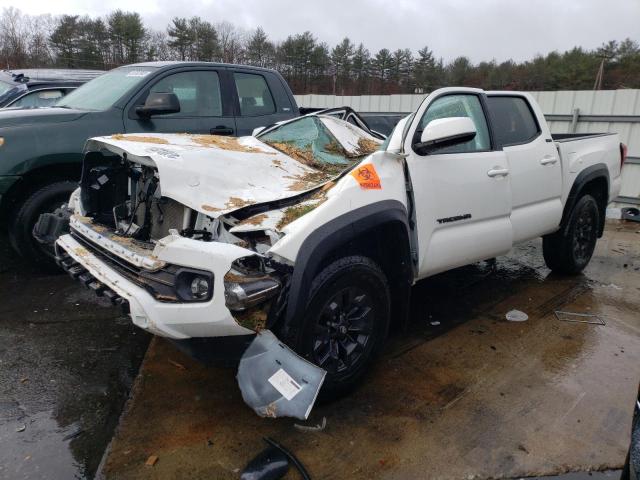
[[38, 116], [216, 175]]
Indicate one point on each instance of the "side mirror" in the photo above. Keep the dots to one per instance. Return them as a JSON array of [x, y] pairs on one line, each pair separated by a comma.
[[444, 132], [159, 104]]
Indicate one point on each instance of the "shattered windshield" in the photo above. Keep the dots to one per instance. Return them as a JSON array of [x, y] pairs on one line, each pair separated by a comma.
[[322, 142]]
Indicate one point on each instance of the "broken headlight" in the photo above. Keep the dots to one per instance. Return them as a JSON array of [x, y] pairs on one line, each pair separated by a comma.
[[247, 284]]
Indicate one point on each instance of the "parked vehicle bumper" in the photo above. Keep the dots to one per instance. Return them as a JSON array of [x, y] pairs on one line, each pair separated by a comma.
[[176, 320]]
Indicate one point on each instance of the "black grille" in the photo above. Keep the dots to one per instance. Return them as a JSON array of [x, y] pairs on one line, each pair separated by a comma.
[[160, 283]]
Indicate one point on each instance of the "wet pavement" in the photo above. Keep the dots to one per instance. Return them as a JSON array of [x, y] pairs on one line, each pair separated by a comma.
[[462, 394], [67, 362]]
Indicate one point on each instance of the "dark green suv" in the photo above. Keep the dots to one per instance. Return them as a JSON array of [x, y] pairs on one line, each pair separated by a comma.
[[41, 150]]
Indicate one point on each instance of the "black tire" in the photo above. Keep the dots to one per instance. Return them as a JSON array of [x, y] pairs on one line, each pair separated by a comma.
[[42, 200], [350, 295], [569, 250]]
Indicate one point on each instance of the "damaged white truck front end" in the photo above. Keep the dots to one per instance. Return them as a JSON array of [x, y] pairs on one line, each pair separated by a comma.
[[189, 231]]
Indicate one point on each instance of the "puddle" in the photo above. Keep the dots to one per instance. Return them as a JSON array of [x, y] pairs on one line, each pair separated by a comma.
[[67, 363]]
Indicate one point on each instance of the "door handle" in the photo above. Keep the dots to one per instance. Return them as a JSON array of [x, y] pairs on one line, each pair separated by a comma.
[[221, 130], [498, 172], [548, 160]]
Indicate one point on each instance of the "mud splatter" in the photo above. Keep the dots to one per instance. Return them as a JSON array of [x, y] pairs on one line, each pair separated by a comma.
[[307, 180], [293, 213], [366, 146], [302, 155], [225, 143], [209, 208], [139, 139], [235, 202], [255, 319]]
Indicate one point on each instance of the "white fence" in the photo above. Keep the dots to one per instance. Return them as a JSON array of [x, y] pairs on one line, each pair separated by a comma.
[[580, 111]]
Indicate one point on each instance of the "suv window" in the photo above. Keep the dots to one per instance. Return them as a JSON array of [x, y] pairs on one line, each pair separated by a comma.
[[513, 120], [198, 93], [254, 95], [459, 105]]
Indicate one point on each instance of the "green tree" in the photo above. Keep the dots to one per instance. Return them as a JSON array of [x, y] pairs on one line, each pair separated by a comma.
[[341, 58], [127, 35], [260, 51], [382, 64], [181, 37], [65, 40]]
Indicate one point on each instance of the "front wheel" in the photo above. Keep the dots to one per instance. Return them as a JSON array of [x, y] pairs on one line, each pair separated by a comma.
[[569, 250], [43, 200], [346, 322]]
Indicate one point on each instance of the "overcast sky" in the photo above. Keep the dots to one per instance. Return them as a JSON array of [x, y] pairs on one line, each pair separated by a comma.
[[480, 29]]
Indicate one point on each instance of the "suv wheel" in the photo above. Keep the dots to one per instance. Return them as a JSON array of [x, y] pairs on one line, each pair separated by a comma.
[[43, 200], [570, 252], [346, 322]]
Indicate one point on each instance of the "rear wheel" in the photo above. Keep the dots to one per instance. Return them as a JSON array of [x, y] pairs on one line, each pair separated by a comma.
[[43, 200], [346, 322], [569, 250]]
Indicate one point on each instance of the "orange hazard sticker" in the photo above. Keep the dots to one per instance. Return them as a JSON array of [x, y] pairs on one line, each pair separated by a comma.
[[367, 177]]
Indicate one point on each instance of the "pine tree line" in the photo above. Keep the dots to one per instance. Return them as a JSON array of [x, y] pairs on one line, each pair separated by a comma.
[[310, 66]]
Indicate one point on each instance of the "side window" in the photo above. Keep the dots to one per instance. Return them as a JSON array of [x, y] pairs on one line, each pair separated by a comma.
[[459, 105], [39, 98], [254, 95], [513, 120], [198, 93]]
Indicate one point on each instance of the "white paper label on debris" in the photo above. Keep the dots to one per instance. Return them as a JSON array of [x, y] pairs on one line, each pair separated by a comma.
[[284, 384]]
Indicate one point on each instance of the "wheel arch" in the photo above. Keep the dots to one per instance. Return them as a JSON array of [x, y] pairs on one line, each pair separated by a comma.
[[35, 179], [593, 180], [367, 231]]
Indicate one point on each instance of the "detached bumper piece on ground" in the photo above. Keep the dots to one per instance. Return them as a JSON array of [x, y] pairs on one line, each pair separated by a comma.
[[276, 382]]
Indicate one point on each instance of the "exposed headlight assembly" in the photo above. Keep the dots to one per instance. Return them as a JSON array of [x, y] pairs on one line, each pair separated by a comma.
[[247, 284]]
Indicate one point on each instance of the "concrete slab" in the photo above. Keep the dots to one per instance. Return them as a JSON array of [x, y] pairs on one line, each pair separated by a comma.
[[473, 397]]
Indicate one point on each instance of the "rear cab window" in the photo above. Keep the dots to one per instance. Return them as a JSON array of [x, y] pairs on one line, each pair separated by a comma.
[[513, 120], [254, 95]]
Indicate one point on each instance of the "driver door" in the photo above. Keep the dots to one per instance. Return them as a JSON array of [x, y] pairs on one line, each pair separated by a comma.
[[462, 192], [204, 108]]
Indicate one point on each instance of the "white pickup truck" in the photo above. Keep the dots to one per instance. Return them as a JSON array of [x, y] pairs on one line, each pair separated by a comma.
[[316, 230]]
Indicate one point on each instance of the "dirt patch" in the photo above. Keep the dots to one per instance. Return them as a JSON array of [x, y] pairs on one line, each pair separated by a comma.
[[209, 208], [366, 146], [235, 202], [302, 155], [307, 180], [225, 143], [253, 319], [335, 148], [139, 139], [293, 213]]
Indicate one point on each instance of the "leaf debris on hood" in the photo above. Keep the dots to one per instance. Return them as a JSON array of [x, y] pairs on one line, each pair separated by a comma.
[[139, 139]]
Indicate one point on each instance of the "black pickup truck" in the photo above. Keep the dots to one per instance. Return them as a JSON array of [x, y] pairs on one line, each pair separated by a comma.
[[41, 149]]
